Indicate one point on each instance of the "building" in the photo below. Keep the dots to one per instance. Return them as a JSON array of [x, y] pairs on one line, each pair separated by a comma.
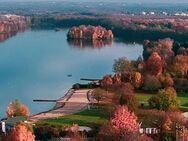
[[8, 123]]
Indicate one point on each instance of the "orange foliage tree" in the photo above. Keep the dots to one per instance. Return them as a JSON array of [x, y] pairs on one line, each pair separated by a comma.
[[106, 81], [17, 109], [21, 133], [137, 79], [181, 65]]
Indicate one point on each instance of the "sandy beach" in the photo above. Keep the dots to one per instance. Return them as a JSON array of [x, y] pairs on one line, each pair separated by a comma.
[[73, 102]]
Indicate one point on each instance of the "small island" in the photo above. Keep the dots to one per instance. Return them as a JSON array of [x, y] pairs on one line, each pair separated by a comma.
[[90, 33]]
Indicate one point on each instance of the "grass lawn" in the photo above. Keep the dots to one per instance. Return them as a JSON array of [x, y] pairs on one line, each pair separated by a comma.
[[93, 117], [183, 97]]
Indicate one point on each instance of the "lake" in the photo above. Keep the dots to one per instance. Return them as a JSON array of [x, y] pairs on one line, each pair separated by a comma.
[[35, 64]]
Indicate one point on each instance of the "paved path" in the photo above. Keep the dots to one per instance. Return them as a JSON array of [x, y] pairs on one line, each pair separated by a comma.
[[73, 102]]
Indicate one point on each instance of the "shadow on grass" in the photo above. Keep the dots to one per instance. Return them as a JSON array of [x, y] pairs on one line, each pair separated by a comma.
[[182, 95], [185, 105]]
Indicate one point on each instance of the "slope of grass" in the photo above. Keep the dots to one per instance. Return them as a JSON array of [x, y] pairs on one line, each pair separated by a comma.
[[93, 117]]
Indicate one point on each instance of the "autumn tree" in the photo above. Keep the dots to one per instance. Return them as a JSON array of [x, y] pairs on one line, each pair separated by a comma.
[[154, 64], [106, 81], [184, 135], [124, 121], [149, 48], [165, 99], [163, 48], [107, 133], [167, 125], [21, 132], [74, 134], [126, 77], [151, 83], [117, 78], [166, 81], [180, 65], [137, 79], [127, 97], [17, 109], [167, 130]]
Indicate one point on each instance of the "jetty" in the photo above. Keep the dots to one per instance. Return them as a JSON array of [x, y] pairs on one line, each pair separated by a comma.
[[73, 102]]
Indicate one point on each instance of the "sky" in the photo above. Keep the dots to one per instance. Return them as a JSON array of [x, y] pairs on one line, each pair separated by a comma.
[[128, 1]]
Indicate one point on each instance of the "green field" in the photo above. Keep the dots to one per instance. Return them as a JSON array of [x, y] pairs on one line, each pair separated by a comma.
[[93, 117], [96, 116], [183, 98]]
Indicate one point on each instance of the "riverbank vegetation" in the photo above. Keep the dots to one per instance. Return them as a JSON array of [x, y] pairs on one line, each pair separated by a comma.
[[132, 28]]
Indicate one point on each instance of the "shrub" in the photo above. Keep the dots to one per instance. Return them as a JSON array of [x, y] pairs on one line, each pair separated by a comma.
[[165, 99], [97, 94], [76, 86], [45, 131]]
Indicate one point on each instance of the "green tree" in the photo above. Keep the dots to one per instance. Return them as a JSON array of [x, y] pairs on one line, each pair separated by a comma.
[[165, 99], [122, 65], [97, 94]]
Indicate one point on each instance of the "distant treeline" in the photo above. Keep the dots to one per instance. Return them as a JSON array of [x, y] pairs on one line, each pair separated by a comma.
[[120, 30]]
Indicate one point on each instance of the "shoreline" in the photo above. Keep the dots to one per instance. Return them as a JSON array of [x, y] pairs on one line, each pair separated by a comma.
[[74, 101], [53, 108]]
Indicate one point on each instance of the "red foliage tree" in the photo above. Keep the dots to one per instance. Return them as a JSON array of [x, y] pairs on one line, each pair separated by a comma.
[[124, 121], [154, 64]]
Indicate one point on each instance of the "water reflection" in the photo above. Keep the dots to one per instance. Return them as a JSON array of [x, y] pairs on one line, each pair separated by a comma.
[[5, 36], [79, 43]]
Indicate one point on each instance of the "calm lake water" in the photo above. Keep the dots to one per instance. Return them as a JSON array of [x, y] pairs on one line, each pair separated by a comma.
[[35, 65]]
